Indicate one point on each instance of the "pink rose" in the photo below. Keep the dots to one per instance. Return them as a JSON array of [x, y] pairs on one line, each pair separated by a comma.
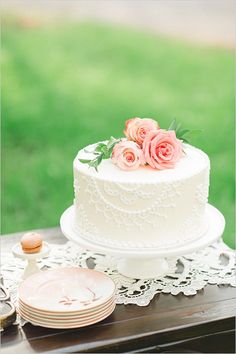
[[137, 128], [127, 155], [162, 149]]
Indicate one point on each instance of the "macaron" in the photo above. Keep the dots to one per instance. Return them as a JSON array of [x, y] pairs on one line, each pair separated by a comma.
[[31, 242]]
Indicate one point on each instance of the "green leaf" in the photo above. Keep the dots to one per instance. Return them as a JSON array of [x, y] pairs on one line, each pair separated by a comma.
[[112, 141], [191, 133], [99, 147], [107, 149], [99, 159], [173, 125], [104, 150], [184, 140], [107, 155], [182, 132], [95, 162], [178, 126], [84, 161]]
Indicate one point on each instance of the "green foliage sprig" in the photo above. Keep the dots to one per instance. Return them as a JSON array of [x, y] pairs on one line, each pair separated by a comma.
[[183, 134], [102, 151]]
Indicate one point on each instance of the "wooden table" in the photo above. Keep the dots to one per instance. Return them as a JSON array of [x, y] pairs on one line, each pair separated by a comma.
[[201, 323]]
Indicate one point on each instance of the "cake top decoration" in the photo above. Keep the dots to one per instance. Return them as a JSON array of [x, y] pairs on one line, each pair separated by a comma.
[[145, 143]]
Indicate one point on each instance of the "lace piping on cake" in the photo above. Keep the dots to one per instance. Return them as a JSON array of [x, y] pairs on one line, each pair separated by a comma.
[[127, 196], [89, 232], [101, 194], [202, 190], [83, 226], [166, 199], [76, 186], [102, 241]]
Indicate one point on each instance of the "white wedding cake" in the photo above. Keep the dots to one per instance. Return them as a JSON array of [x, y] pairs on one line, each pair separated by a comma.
[[141, 207]]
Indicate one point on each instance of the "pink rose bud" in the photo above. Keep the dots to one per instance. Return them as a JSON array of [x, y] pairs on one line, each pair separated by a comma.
[[127, 155], [162, 149], [137, 128]]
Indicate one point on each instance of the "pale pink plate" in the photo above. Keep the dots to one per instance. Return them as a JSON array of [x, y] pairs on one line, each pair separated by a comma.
[[63, 325], [62, 321], [66, 290], [64, 313], [64, 317]]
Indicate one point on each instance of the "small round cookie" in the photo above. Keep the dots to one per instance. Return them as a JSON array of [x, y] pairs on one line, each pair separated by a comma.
[[31, 242]]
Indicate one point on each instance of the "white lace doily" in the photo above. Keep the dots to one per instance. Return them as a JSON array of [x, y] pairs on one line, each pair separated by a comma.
[[188, 274]]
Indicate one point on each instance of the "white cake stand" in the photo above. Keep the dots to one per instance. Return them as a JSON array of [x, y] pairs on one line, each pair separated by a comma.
[[31, 258], [148, 263]]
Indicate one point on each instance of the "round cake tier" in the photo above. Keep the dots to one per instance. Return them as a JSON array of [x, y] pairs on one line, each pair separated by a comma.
[[144, 208]]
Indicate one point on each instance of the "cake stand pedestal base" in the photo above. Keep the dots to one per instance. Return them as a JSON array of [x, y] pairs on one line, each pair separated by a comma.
[[31, 258], [144, 269], [150, 262]]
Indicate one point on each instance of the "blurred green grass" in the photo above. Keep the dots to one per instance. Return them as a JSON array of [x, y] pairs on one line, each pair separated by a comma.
[[66, 86]]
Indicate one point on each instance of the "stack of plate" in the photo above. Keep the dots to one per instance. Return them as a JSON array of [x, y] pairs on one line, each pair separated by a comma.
[[66, 298]]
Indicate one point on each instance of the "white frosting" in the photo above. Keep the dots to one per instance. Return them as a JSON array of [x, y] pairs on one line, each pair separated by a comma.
[[194, 161], [142, 208]]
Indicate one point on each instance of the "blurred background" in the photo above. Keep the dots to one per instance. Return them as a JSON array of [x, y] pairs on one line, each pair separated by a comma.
[[74, 71]]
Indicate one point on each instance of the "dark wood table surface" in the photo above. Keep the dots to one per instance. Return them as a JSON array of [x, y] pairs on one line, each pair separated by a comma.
[[202, 323]]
